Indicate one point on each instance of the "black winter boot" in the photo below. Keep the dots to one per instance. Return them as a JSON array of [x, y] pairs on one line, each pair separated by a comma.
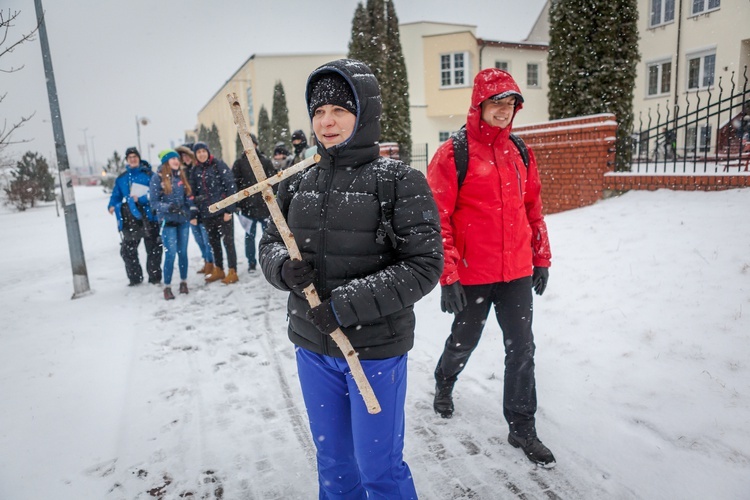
[[534, 450], [443, 403]]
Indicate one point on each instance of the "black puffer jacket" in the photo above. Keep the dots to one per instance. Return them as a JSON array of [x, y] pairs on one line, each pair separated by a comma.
[[334, 213]]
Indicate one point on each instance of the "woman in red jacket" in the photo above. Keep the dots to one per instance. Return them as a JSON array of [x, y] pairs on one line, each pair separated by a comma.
[[496, 250]]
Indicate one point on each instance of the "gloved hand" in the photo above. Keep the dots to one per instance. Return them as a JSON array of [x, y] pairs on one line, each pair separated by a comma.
[[323, 317], [539, 279], [453, 298], [174, 208], [297, 274]]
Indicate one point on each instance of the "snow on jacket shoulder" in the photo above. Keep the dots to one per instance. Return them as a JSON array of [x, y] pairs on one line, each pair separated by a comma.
[[493, 227]]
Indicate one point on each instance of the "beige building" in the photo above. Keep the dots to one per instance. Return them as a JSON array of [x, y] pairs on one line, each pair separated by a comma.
[[253, 83], [441, 60], [686, 46]]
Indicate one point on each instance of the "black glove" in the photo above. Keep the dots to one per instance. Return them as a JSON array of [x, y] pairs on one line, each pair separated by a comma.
[[323, 317], [539, 279], [297, 274], [453, 298], [174, 208]]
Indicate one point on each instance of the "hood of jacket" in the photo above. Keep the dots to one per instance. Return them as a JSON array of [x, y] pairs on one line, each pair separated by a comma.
[[362, 146], [489, 82]]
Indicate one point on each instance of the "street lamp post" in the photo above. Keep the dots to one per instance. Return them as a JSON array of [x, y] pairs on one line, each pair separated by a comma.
[[138, 122], [75, 245]]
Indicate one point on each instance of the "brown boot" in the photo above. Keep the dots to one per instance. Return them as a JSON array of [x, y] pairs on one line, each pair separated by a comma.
[[168, 295], [231, 277], [206, 269], [217, 274]]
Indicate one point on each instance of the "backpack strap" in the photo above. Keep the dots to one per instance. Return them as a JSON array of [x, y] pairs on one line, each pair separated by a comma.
[[386, 181], [521, 146], [461, 153]]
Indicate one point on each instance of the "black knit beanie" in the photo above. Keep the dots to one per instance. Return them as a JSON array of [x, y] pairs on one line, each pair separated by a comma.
[[331, 88], [132, 151]]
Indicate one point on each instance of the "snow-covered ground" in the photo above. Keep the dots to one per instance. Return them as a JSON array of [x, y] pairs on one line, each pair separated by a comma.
[[643, 369]]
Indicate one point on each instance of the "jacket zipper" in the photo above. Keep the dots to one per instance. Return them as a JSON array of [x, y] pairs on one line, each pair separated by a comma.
[[320, 264]]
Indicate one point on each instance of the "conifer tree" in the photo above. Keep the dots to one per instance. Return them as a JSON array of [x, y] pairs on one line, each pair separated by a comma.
[[31, 182], [397, 104], [265, 136], [375, 41], [279, 116], [203, 134], [214, 142], [592, 60]]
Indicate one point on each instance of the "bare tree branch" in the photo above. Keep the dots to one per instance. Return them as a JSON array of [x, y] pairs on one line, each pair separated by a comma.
[[6, 23]]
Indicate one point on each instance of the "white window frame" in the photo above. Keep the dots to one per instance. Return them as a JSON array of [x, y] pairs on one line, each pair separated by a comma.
[[704, 81], [450, 67], [538, 70], [698, 139], [698, 7], [506, 63], [661, 9], [660, 90], [443, 136]]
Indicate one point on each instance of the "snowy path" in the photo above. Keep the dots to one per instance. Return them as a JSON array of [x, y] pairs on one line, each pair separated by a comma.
[[642, 373]]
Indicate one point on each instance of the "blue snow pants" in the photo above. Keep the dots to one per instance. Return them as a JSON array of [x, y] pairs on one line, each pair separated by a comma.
[[201, 238], [360, 456], [175, 240]]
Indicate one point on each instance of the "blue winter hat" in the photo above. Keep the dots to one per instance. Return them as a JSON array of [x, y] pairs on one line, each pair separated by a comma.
[[201, 145], [166, 154]]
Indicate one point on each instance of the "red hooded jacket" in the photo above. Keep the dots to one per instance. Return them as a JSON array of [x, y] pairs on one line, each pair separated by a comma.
[[493, 228]]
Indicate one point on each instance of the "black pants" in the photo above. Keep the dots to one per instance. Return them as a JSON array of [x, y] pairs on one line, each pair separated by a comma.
[[220, 230], [513, 308], [132, 233]]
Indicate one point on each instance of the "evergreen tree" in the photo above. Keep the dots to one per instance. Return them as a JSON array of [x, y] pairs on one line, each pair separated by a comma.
[[279, 116], [376, 42], [397, 104], [265, 136], [214, 142], [31, 181], [592, 60], [111, 170], [359, 45], [203, 134]]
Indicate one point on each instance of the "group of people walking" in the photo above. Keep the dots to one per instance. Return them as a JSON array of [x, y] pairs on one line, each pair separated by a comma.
[[164, 206], [375, 237]]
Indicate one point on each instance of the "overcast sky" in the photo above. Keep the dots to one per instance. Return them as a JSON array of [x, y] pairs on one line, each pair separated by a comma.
[[165, 59]]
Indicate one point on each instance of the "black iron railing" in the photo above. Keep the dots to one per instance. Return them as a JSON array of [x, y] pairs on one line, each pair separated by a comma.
[[709, 133]]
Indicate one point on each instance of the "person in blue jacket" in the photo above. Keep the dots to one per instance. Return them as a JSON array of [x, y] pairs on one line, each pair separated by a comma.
[[172, 200], [212, 181], [135, 221]]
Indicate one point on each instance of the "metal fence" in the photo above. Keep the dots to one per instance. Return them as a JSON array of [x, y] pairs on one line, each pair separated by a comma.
[[420, 157], [711, 134]]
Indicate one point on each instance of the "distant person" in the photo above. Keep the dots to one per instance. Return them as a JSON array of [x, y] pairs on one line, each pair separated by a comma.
[[496, 251], [130, 203], [368, 285], [212, 181], [172, 200], [199, 230], [299, 143], [281, 159], [253, 209]]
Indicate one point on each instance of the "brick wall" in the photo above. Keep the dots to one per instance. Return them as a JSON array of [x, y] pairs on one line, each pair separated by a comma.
[[618, 182], [573, 156], [576, 163]]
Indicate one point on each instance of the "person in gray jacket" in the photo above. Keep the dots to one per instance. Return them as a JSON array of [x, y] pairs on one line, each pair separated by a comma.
[[368, 284]]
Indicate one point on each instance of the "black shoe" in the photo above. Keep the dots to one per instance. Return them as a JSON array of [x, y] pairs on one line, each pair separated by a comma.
[[251, 268], [135, 282], [154, 281], [534, 450], [443, 403]]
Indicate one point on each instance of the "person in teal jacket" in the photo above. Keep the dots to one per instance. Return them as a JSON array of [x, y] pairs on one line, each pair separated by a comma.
[[135, 221]]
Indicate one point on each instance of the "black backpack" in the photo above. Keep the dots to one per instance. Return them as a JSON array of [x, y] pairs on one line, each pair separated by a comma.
[[461, 152]]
